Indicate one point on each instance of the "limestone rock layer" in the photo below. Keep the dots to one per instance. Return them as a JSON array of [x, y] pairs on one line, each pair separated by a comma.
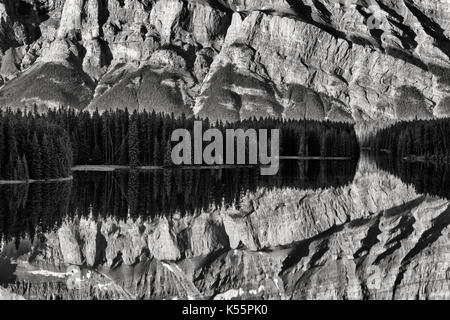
[[345, 60]]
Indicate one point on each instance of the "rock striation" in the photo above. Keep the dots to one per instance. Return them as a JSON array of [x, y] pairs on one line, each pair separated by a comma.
[[338, 60]]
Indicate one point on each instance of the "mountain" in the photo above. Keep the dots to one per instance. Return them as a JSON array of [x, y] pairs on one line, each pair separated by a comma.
[[347, 60]]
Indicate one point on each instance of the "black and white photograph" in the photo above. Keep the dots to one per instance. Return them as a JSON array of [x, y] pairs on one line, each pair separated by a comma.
[[239, 150]]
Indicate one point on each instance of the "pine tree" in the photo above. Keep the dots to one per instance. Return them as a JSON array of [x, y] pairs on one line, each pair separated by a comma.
[[74, 144], [125, 134], [301, 145], [106, 138], [168, 155], [10, 169], [401, 145], [117, 137], [97, 155], [325, 143], [26, 173], [156, 152], [133, 142], [36, 161], [11, 141], [66, 155], [20, 170], [47, 158], [427, 140]]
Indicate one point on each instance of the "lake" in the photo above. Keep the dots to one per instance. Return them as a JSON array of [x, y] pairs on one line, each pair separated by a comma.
[[201, 233], [41, 207]]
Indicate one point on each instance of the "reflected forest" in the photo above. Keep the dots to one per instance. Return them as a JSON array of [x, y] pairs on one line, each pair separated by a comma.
[[427, 177], [41, 207]]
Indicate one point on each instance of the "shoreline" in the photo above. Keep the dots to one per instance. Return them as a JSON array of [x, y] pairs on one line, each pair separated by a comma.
[[2, 182], [112, 168], [425, 159], [316, 158], [413, 158]]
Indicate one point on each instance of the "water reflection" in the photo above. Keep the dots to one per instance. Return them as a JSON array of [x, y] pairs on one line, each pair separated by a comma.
[[164, 192], [427, 177], [27, 209]]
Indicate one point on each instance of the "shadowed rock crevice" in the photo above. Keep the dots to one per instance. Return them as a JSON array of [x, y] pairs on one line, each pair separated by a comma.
[[431, 27], [426, 240]]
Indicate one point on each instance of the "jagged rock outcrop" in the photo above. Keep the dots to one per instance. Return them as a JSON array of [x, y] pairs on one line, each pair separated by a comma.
[[257, 278], [378, 258], [153, 279], [338, 60]]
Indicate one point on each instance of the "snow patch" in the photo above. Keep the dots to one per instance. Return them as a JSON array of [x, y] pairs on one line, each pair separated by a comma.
[[276, 283], [230, 294], [168, 267], [46, 273]]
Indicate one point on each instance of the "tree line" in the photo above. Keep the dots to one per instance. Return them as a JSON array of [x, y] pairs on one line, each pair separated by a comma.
[[31, 147], [144, 139], [423, 138], [43, 146]]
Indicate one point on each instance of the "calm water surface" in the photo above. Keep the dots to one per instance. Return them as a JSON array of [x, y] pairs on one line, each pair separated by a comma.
[[40, 207], [26, 210]]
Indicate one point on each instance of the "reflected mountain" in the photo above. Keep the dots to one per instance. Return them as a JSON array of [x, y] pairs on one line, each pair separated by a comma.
[[430, 178], [41, 207], [317, 230]]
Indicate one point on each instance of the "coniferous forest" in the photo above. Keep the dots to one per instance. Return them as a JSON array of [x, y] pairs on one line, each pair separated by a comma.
[[31, 147], [44, 146], [420, 138]]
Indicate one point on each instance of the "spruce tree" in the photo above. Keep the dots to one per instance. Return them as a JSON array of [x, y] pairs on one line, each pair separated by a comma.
[[156, 152], [133, 142], [74, 144], [301, 145], [20, 169], [168, 155], [67, 155], [10, 169], [11, 141], [26, 173], [97, 155], [35, 161], [47, 158]]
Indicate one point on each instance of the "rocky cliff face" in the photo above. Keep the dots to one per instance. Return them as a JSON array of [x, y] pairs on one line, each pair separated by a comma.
[[340, 60], [375, 238]]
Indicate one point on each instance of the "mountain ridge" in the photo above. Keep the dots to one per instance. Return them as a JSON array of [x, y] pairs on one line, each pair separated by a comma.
[[230, 60]]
